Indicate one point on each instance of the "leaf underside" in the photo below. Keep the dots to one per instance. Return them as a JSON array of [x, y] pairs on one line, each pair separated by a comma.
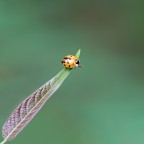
[[29, 107], [24, 113]]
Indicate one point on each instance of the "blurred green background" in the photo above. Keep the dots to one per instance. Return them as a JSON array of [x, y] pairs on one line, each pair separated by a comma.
[[101, 103]]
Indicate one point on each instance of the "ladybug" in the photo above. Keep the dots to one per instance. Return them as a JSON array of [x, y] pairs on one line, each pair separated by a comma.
[[70, 61]]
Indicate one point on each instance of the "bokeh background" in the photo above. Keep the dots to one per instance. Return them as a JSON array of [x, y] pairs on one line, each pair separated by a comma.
[[100, 103]]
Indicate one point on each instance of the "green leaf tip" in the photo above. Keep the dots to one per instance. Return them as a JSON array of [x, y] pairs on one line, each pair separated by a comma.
[[78, 53]]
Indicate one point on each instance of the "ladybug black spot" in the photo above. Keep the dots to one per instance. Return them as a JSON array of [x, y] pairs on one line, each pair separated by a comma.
[[67, 62], [69, 65], [65, 58]]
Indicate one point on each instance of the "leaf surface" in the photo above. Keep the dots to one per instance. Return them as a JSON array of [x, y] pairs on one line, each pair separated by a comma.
[[24, 113]]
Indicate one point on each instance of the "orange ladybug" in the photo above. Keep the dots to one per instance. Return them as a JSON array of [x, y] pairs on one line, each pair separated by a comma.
[[70, 61]]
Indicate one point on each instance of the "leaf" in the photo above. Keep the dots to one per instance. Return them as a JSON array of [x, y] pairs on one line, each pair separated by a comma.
[[24, 113]]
